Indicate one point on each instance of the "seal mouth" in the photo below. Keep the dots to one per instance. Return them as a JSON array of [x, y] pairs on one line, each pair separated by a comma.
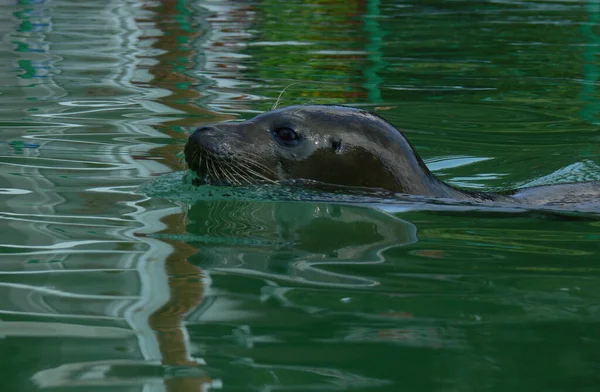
[[219, 170], [211, 171], [210, 168]]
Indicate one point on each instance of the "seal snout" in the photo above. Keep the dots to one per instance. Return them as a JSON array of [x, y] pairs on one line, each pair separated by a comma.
[[203, 135], [209, 139]]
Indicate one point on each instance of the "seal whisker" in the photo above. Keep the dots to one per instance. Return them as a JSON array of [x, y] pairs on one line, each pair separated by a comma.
[[224, 173], [254, 162], [211, 164], [208, 169], [260, 176], [232, 169], [218, 165], [281, 93], [197, 156], [231, 176], [249, 162], [235, 173], [227, 175], [225, 168], [192, 162], [254, 173]]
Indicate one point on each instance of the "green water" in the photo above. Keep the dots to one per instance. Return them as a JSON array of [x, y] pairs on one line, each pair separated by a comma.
[[116, 275]]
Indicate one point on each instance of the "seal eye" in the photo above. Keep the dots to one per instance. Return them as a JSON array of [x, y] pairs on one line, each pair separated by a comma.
[[286, 136]]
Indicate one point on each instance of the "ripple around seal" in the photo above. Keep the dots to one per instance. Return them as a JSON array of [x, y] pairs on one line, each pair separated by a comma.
[[177, 186], [576, 172]]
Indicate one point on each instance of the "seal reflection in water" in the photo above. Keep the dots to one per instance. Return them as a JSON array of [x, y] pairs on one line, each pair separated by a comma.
[[337, 145]]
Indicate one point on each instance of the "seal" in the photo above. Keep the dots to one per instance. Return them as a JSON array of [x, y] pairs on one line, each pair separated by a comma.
[[336, 145]]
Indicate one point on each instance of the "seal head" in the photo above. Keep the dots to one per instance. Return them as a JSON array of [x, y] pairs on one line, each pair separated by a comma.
[[327, 144]]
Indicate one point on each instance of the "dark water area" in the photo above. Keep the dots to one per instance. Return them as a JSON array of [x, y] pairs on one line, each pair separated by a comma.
[[116, 274]]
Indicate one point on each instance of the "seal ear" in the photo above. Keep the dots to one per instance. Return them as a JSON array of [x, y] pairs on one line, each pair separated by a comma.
[[336, 144]]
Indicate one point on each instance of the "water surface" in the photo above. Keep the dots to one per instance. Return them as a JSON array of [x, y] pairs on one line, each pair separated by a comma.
[[117, 275]]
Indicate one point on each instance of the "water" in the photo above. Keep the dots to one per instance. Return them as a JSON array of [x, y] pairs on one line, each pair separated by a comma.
[[117, 275]]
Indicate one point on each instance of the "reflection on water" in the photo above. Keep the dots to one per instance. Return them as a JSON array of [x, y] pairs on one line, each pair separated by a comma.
[[114, 286], [78, 281], [299, 242]]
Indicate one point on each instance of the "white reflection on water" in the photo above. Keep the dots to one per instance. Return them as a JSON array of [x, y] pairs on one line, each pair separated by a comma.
[[73, 262], [13, 191]]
